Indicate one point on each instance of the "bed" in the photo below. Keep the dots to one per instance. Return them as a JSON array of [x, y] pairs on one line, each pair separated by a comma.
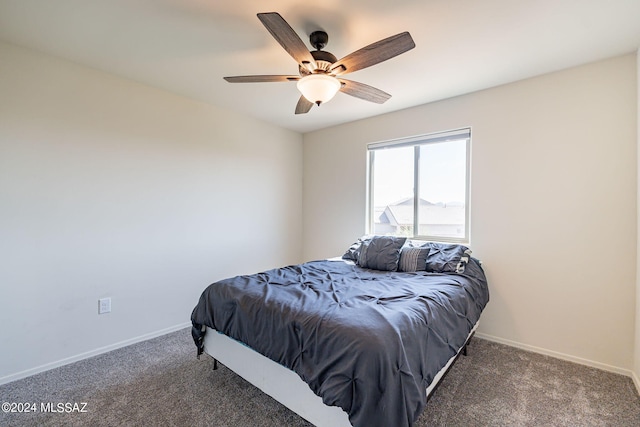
[[359, 340]]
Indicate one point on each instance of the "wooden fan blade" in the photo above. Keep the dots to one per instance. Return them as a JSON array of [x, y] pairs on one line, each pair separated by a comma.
[[261, 79], [288, 39], [363, 91], [374, 53], [303, 106]]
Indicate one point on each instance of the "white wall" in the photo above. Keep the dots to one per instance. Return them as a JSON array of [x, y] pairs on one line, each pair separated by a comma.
[[109, 188], [553, 203], [636, 370]]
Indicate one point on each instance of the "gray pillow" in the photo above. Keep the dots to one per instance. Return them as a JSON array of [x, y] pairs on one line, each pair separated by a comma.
[[354, 250], [447, 258], [413, 258], [381, 253]]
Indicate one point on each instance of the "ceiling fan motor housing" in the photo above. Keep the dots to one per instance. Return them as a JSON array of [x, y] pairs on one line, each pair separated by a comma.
[[324, 60]]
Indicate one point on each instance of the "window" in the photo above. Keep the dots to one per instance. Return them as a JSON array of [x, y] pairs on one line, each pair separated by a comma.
[[419, 187]]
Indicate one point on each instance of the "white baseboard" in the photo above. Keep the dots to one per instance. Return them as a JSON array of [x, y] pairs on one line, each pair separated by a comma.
[[106, 349], [88, 354], [636, 381], [558, 355]]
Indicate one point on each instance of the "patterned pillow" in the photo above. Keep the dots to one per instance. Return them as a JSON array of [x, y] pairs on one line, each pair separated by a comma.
[[447, 258], [413, 258], [381, 253]]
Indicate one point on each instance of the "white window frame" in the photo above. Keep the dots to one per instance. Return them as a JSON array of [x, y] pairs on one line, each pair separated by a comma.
[[416, 142]]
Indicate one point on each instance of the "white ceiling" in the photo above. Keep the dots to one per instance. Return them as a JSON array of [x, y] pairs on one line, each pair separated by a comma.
[[187, 46]]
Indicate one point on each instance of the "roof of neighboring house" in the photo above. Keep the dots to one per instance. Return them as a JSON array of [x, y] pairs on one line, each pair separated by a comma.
[[401, 213]]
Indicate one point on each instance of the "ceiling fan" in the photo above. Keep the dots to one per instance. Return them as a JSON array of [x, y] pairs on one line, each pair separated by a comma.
[[319, 71]]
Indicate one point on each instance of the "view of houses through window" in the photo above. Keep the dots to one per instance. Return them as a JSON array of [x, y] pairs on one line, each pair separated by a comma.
[[419, 187]]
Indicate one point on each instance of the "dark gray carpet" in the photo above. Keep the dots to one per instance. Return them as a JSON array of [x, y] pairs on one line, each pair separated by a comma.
[[160, 383]]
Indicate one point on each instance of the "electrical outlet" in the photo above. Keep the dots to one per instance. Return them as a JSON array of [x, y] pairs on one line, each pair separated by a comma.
[[104, 305]]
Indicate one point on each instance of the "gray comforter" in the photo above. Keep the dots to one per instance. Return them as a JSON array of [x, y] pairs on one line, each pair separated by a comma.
[[367, 341]]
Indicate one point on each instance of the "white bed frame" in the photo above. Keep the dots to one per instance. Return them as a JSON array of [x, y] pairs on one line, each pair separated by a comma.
[[283, 384]]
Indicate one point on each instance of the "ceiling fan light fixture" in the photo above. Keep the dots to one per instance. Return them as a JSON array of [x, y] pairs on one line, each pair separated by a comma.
[[318, 88], [318, 69]]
